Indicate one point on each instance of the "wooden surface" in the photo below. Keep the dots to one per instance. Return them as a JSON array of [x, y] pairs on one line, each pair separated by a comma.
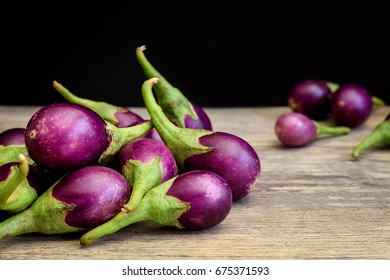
[[313, 202]]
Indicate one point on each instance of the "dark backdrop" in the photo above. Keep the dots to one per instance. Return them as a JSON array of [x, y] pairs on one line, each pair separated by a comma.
[[233, 53]]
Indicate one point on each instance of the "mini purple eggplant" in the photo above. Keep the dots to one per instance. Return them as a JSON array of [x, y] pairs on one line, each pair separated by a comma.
[[295, 129], [117, 115], [19, 185], [311, 98], [222, 153], [65, 136], [12, 136], [82, 199], [145, 163], [194, 200], [351, 105], [380, 135], [174, 103]]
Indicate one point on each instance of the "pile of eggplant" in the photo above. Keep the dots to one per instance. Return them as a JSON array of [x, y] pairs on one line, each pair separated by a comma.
[[92, 167]]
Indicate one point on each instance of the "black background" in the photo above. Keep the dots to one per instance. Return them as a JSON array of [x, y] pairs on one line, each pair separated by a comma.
[[233, 53]]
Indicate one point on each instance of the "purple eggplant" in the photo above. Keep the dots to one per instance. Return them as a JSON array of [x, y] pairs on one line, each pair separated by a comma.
[[117, 115], [174, 103], [351, 105], [194, 200], [145, 163], [65, 136], [311, 98], [19, 185], [222, 153], [295, 129], [380, 135], [12, 136], [82, 199]]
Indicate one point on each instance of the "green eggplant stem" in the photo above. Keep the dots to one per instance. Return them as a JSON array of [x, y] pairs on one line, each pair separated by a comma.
[[333, 130], [105, 110], [148, 68], [121, 136], [377, 102], [156, 111], [183, 142], [20, 174], [21, 223], [142, 177], [174, 103], [380, 135], [121, 220], [46, 215], [156, 207]]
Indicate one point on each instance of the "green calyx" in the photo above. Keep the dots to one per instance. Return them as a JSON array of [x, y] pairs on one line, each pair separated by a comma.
[[173, 102], [156, 207], [46, 215], [380, 135], [121, 136], [16, 194], [142, 177], [105, 110], [11, 154], [183, 142]]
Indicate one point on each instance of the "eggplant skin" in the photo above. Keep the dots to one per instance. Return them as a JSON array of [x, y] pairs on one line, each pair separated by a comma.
[[351, 105], [209, 196], [295, 129], [12, 136], [98, 193], [65, 136], [311, 98], [233, 158]]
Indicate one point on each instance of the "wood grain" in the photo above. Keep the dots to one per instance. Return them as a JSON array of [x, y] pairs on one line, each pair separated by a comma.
[[313, 202]]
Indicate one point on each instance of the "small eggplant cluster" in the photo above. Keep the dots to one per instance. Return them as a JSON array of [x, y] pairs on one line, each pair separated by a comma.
[[348, 106], [93, 167]]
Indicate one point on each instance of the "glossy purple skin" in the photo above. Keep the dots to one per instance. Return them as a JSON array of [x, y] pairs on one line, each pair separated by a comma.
[[351, 105], [33, 176], [209, 196], [144, 150], [153, 134], [311, 98], [64, 136], [203, 121], [295, 129], [127, 118], [12, 136], [233, 159], [98, 193]]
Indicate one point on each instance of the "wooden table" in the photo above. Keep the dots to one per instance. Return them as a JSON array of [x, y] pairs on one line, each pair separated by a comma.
[[313, 202]]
